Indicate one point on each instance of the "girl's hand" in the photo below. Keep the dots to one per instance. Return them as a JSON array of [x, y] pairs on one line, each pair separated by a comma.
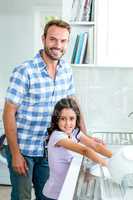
[[98, 140], [103, 162], [102, 149]]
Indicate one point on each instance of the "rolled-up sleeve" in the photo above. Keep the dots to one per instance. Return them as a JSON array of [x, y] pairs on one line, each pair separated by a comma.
[[18, 85]]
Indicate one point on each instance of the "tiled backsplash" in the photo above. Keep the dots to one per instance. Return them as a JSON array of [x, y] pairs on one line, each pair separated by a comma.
[[106, 97]]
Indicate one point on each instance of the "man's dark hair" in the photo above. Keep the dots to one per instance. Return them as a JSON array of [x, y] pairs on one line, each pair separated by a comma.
[[56, 22]]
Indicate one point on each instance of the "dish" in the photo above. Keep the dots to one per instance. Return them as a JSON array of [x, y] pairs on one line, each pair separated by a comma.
[[128, 153], [100, 171]]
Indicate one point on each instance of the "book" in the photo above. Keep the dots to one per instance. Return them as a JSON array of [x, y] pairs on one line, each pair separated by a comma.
[[81, 9], [89, 57], [75, 49], [92, 11], [79, 48], [75, 10], [86, 11], [83, 50]]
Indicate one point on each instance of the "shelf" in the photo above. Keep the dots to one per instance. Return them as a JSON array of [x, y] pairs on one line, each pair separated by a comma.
[[71, 177], [82, 65], [100, 66], [78, 23]]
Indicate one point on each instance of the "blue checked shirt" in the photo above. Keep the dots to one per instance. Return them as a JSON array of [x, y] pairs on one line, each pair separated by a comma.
[[35, 93]]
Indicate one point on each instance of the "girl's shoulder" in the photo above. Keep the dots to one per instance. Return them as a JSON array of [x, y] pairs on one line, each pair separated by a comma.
[[58, 133], [77, 134], [57, 136]]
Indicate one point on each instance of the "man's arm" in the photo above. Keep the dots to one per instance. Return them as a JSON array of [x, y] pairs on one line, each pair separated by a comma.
[[18, 162]]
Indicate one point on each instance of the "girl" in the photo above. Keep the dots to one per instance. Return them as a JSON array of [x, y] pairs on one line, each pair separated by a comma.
[[65, 137]]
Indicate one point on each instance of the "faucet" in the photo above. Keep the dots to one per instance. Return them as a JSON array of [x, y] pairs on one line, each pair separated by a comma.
[[131, 113]]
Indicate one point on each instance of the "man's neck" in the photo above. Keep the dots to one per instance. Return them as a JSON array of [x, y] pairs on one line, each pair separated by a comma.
[[51, 65]]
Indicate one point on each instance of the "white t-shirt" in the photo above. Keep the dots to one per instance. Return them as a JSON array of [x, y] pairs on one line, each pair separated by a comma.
[[59, 160]]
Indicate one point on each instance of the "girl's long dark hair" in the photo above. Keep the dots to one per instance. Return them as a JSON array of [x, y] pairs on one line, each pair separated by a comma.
[[60, 105]]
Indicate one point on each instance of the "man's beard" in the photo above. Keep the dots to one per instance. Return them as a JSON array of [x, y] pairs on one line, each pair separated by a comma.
[[47, 51]]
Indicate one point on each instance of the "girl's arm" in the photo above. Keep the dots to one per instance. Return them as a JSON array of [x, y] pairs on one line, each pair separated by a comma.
[[81, 149], [96, 146]]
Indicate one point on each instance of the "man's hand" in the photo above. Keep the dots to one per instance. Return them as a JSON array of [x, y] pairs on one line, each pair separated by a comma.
[[19, 164]]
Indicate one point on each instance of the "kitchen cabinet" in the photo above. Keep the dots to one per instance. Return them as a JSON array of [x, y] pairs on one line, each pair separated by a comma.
[[114, 32]]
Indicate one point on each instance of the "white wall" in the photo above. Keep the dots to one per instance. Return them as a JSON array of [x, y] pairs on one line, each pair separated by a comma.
[[15, 43], [19, 30]]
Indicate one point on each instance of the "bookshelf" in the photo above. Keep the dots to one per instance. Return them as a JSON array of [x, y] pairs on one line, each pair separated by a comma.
[[82, 33]]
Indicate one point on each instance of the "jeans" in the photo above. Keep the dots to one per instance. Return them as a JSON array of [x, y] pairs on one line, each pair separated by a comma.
[[46, 198], [37, 174]]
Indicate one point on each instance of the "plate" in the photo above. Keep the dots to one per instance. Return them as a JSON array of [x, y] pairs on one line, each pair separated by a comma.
[[96, 171], [128, 153]]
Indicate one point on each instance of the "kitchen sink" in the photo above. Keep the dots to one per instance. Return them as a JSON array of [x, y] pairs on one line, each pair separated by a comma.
[[94, 182], [91, 187]]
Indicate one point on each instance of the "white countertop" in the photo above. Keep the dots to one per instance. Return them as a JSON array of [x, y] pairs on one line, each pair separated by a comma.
[[72, 175]]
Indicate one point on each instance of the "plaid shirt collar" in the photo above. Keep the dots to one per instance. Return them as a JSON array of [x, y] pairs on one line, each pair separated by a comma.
[[41, 63]]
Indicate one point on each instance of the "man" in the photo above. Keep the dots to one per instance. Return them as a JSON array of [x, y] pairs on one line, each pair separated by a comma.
[[35, 87]]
